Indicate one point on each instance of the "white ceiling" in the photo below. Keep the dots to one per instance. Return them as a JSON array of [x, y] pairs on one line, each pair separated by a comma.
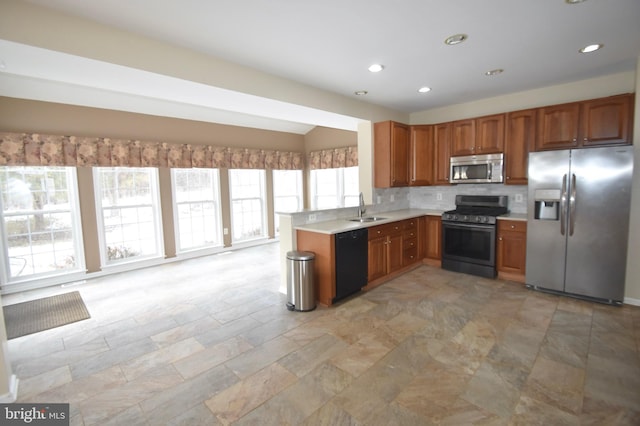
[[329, 44]]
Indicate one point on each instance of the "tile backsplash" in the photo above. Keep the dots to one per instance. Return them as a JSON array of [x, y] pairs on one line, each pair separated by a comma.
[[443, 197]]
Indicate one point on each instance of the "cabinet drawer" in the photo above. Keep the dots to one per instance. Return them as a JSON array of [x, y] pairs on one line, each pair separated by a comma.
[[512, 225], [386, 229], [411, 233], [410, 243], [410, 256], [410, 224]]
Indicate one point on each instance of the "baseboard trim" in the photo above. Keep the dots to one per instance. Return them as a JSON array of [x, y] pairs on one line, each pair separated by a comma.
[[631, 301], [12, 395]]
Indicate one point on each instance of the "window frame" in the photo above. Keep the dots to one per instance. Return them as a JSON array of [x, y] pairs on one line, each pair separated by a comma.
[[154, 191], [48, 278], [340, 193], [263, 202], [218, 213]]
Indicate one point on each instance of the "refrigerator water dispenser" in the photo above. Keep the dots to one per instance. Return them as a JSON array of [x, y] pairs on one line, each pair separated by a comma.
[[547, 204]]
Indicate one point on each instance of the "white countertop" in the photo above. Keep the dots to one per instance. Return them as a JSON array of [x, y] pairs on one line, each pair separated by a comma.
[[513, 216], [341, 225]]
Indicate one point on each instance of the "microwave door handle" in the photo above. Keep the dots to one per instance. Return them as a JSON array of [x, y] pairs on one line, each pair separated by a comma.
[[572, 205], [563, 205]]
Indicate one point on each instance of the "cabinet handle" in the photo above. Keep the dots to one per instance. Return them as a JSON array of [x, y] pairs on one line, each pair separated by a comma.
[[513, 227], [508, 177], [500, 238]]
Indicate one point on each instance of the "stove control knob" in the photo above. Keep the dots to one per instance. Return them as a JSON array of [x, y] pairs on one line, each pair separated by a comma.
[[485, 219], [465, 218], [478, 218]]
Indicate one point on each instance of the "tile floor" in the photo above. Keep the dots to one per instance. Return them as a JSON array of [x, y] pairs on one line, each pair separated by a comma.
[[208, 341]]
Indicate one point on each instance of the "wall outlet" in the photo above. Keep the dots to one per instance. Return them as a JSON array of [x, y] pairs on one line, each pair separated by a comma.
[[392, 198], [312, 218], [439, 196], [518, 198], [378, 200], [225, 231]]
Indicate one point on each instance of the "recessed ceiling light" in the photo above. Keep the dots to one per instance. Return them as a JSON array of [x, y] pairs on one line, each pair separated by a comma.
[[455, 39], [494, 72], [574, 1], [376, 68], [424, 89], [360, 92], [591, 48]]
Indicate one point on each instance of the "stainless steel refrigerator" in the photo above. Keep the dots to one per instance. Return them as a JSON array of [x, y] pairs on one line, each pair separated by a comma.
[[578, 221]]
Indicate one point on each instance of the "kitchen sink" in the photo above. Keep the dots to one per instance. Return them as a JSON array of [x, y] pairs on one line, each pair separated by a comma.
[[366, 219]]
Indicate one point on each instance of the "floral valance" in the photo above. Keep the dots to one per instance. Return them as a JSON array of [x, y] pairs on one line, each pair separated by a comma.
[[32, 149], [334, 158]]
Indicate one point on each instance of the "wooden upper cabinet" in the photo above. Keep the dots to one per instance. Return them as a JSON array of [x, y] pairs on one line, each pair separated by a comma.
[[441, 153], [391, 154], [464, 137], [606, 121], [596, 122], [421, 155], [558, 126], [490, 134], [520, 136], [483, 135]]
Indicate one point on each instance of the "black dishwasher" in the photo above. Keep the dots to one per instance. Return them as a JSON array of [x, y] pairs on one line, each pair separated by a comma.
[[351, 262]]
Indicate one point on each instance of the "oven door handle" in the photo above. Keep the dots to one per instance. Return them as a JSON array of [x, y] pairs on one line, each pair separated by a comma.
[[467, 225], [563, 206]]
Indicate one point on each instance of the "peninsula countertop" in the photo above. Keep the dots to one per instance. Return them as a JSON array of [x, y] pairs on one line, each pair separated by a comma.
[[343, 225]]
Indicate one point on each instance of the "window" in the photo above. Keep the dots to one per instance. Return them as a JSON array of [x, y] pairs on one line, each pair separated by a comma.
[[128, 213], [248, 206], [287, 193], [334, 188], [196, 198], [41, 235]]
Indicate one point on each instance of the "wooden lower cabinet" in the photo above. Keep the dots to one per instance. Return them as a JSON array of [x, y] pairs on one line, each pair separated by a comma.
[[511, 250], [385, 250], [323, 245], [432, 237], [410, 242]]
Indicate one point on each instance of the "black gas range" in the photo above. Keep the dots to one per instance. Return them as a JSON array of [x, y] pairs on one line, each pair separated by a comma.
[[469, 234]]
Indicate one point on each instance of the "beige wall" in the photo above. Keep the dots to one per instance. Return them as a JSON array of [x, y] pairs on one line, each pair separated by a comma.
[[320, 138], [576, 91], [20, 115]]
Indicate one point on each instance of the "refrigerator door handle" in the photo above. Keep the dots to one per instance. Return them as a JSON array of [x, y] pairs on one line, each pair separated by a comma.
[[563, 205], [572, 205]]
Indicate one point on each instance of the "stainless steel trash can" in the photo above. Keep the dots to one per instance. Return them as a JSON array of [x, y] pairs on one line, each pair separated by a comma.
[[301, 292]]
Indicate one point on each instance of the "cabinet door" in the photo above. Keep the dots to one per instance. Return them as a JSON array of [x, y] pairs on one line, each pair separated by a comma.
[[394, 252], [390, 154], [442, 153], [606, 121], [464, 138], [377, 258], [421, 155], [558, 126], [512, 247], [433, 232], [520, 136], [400, 155], [490, 134]]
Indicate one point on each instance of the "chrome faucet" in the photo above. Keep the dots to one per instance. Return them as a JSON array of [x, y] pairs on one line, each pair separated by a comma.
[[361, 209]]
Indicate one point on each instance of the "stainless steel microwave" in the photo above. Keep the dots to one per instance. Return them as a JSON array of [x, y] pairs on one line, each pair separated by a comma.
[[485, 168]]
